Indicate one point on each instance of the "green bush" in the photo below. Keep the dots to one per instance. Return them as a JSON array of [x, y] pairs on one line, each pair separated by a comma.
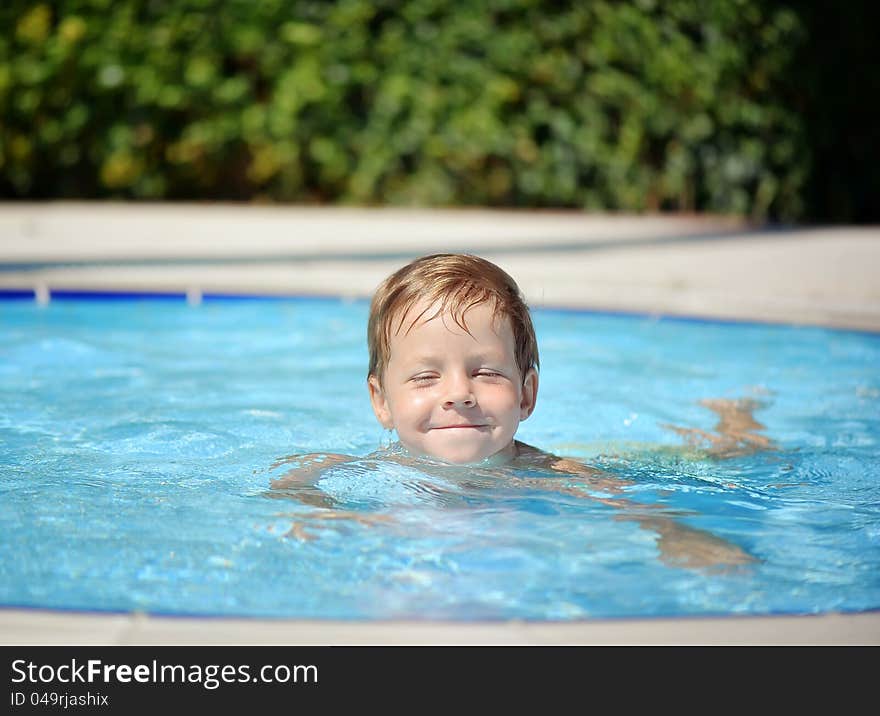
[[640, 105]]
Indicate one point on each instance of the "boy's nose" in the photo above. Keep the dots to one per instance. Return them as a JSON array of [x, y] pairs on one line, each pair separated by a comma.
[[465, 400], [459, 394]]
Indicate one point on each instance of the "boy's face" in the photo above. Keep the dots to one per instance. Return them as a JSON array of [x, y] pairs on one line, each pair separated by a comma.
[[451, 395]]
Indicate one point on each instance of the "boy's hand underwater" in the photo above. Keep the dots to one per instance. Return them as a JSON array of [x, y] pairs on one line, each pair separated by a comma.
[[683, 546]]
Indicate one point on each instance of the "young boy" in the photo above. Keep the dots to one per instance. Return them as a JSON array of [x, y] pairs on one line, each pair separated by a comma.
[[453, 359], [454, 370]]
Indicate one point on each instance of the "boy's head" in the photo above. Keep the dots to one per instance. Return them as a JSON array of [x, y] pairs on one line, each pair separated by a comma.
[[453, 357]]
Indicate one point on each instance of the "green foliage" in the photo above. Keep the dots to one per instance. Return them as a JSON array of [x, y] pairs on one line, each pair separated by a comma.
[[638, 105]]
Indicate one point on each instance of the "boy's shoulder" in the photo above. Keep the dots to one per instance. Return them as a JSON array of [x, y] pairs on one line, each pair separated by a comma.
[[533, 457], [536, 457], [529, 454]]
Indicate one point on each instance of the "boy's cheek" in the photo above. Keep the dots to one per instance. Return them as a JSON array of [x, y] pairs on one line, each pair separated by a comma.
[[414, 403]]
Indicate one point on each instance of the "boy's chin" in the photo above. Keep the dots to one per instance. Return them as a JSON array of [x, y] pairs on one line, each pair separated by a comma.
[[462, 455], [460, 459]]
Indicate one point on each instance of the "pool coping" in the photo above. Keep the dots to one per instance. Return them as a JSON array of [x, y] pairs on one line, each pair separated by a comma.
[[64, 628], [693, 267], [678, 266]]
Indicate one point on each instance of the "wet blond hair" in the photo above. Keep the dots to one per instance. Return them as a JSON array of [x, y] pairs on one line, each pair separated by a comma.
[[459, 282]]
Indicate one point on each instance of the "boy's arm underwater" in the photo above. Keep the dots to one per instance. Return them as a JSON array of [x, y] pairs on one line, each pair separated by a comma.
[[307, 468], [679, 544], [735, 435], [299, 484]]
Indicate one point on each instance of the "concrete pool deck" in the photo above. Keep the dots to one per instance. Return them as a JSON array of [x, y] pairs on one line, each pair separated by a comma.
[[693, 266], [697, 266]]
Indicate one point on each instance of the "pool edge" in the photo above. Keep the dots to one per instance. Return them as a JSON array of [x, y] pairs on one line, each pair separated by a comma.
[[19, 627]]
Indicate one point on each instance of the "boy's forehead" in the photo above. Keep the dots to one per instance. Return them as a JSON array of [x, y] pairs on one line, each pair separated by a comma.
[[422, 312]]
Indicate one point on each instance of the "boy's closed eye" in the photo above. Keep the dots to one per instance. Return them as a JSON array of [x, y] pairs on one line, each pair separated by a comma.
[[482, 373], [423, 378]]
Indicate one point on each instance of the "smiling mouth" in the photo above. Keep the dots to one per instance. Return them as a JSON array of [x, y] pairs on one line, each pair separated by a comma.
[[458, 427]]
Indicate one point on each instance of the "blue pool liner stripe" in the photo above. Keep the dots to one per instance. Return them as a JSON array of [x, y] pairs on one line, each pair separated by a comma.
[[15, 294], [66, 294], [277, 297], [108, 295], [93, 295]]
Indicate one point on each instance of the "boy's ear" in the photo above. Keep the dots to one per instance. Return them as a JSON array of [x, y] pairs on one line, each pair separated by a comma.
[[379, 402], [529, 394]]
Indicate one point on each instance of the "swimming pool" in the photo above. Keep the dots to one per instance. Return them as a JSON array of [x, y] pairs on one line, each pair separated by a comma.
[[139, 438]]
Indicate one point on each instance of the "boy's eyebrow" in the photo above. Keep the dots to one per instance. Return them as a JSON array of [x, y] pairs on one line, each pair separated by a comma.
[[431, 358]]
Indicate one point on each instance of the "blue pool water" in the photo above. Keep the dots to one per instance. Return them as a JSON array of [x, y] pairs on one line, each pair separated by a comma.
[[138, 438]]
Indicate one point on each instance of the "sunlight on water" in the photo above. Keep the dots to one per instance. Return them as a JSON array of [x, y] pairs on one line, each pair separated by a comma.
[[140, 441]]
